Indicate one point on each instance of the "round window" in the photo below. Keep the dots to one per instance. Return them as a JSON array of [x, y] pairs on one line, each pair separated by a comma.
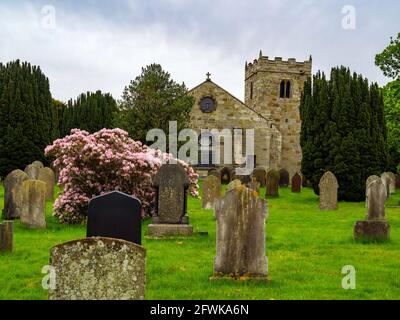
[[207, 104]]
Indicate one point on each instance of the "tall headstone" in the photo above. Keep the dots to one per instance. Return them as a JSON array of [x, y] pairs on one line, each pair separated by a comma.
[[375, 227], [386, 181], [240, 243], [226, 175], [48, 177], [392, 185], [260, 174], [283, 178], [272, 184], [171, 184], [32, 171], [211, 191], [115, 215], [296, 183], [33, 210], [98, 269], [38, 164], [367, 183], [13, 194], [328, 192], [6, 236]]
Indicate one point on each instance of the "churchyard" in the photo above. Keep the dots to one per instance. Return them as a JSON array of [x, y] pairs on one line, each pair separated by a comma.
[[307, 249]]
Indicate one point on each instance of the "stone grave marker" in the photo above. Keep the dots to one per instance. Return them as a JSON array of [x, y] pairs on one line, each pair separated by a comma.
[[328, 192], [211, 191], [6, 236], [115, 215], [13, 194], [386, 181], [98, 269], [240, 243], [171, 183], [283, 178], [392, 185], [296, 183], [272, 184], [32, 170], [234, 184], [254, 185], [226, 175], [260, 174], [48, 177], [398, 181], [369, 180], [33, 210]]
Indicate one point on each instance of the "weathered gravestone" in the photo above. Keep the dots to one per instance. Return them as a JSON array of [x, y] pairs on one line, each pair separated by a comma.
[[215, 173], [283, 178], [398, 181], [115, 215], [272, 184], [240, 243], [38, 164], [375, 227], [296, 183], [392, 185], [254, 185], [211, 191], [260, 174], [6, 236], [48, 177], [386, 181], [32, 171], [13, 194], [234, 184], [328, 192], [226, 175], [98, 269], [171, 183], [367, 183], [33, 204]]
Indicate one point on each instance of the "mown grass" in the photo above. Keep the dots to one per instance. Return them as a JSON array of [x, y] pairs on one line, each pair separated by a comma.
[[306, 249]]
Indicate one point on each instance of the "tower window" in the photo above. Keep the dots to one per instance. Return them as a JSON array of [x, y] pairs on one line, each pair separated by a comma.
[[285, 89], [251, 90]]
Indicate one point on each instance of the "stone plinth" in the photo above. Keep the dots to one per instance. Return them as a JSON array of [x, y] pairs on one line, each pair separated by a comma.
[[165, 230], [372, 230]]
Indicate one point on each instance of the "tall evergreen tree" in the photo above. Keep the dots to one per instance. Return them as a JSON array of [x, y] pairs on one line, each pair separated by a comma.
[[343, 131], [25, 115], [90, 111]]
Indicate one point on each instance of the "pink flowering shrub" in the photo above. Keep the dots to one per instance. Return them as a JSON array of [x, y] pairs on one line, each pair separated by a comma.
[[108, 160]]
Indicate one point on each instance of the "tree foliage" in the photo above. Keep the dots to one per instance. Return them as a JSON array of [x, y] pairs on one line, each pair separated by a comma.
[[389, 59], [343, 131]]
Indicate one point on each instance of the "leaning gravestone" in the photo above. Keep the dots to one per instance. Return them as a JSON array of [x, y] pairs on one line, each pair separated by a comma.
[[370, 179], [260, 174], [296, 183], [171, 183], [13, 194], [6, 236], [115, 215], [392, 185], [48, 177], [211, 191], [98, 269], [375, 227], [283, 178], [328, 192], [240, 243], [33, 204], [272, 184]]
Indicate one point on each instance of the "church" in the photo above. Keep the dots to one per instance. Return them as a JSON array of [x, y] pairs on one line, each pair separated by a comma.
[[273, 90]]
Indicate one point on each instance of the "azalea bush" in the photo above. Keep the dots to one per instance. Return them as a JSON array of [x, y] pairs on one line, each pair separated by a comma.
[[93, 164]]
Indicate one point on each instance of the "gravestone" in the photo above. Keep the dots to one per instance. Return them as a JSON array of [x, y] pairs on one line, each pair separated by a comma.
[[240, 243], [38, 164], [6, 236], [234, 184], [328, 192], [13, 194], [260, 174], [48, 177], [305, 183], [254, 185], [211, 191], [386, 181], [375, 227], [215, 173], [392, 185], [171, 183], [226, 175], [33, 210], [32, 171], [272, 184], [98, 269], [283, 178], [296, 183], [367, 183], [115, 215], [398, 181]]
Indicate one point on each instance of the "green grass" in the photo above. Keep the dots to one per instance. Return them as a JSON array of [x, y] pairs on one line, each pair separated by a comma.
[[306, 249]]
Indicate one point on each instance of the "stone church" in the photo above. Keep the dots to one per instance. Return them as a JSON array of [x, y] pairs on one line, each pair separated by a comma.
[[271, 107]]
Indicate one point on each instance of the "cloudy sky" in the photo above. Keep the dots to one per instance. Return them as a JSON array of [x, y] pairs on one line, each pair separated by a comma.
[[90, 45]]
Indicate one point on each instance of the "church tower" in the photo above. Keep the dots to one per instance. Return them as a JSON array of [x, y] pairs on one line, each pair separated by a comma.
[[273, 88]]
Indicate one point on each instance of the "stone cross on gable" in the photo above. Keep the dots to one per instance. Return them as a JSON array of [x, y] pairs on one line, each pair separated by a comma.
[[208, 74]]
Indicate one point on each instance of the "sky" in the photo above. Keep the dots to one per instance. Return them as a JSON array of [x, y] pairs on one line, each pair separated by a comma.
[[90, 45]]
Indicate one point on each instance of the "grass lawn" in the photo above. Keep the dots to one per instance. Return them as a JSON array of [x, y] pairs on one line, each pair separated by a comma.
[[306, 249]]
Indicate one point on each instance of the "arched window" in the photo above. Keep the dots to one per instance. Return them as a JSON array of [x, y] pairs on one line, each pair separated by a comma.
[[288, 89], [282, 90]]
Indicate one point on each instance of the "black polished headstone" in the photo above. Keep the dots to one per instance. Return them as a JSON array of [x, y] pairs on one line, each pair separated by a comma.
[[115, 215]]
